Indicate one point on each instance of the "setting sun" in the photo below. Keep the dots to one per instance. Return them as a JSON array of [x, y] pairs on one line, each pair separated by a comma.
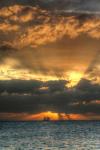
[[55, 116]]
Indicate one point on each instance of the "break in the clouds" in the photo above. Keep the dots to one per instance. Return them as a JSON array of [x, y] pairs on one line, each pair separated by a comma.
[[50, 56]]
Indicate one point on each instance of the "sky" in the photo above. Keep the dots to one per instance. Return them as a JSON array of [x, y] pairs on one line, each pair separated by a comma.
[[49, 59]]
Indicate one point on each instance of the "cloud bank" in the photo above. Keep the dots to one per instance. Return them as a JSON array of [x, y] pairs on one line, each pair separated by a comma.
[[37, 96]]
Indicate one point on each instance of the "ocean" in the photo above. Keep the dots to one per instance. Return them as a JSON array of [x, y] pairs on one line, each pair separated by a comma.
[[50, 135]]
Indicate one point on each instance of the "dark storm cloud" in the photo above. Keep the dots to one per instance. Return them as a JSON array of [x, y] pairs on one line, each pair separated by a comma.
[[32, 86], [88, 91], [56, 85], [20, 86], [57, 4], [36, 96]]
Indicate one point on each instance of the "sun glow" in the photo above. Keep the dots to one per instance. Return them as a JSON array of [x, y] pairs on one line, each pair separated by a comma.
[[74, 77], [8, 73], [55, 116], [41, 116]]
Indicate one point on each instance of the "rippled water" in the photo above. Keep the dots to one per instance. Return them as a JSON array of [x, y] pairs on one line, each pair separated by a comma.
[[68, 135]]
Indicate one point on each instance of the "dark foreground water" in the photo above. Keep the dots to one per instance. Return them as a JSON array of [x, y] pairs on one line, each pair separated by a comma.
[[68, 135]]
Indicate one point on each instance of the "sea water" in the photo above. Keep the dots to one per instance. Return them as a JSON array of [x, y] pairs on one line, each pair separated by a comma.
[[50, 135]]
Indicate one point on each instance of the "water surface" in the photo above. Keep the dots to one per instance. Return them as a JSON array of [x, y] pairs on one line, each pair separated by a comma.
[[66, 135]]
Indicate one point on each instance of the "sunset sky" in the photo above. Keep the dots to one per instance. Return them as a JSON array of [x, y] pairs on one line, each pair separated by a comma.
[[49, 59]]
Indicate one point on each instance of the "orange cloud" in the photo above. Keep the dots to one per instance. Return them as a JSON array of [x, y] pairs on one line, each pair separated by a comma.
[[46, 26], [22, 14], [10, 10], [7, 27], [64, 26]]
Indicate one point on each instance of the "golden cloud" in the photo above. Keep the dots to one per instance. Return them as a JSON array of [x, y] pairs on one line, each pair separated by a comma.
[[22, 14], [46, 26], [7, 27], [10, 10], [68, 26]]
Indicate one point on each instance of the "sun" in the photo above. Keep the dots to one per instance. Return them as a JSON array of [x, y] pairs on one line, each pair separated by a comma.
[[42, 115], [74, 77]]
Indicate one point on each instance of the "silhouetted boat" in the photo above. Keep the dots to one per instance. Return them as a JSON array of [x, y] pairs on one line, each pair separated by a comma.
[[46, 119]]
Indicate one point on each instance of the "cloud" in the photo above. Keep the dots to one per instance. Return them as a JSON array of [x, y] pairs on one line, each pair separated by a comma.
[[88, 91], [22, 14], [19, 86], [52, 40], [35, 33], [36, 26], [40, 38], [36, 96], [7, 27], [57, 27], [68, 54], [58, 4]]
